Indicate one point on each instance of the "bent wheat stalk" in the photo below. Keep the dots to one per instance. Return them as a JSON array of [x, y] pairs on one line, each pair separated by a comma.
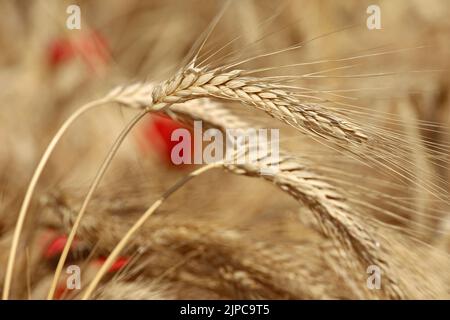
[[95, 183], [133, 96], [31, 187]]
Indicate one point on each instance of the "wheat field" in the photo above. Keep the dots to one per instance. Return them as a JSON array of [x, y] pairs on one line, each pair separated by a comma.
[[357, 208]]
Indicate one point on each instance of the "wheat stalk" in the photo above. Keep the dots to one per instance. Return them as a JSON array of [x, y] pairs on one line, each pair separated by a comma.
[[124, 96], [31, 188], [416, 156]]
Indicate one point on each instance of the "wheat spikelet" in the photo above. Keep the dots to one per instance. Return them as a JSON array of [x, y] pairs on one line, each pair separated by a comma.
[[118, 95]]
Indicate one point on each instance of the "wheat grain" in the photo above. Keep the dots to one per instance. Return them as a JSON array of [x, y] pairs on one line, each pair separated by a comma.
[[133, 96]]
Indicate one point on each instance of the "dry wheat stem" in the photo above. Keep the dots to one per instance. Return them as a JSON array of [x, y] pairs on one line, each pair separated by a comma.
[[95, 183], [125, 96], [123, 242], [32, 186]]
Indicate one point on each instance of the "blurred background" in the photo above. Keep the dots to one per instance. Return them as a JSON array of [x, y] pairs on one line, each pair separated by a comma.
[[47, 71]]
